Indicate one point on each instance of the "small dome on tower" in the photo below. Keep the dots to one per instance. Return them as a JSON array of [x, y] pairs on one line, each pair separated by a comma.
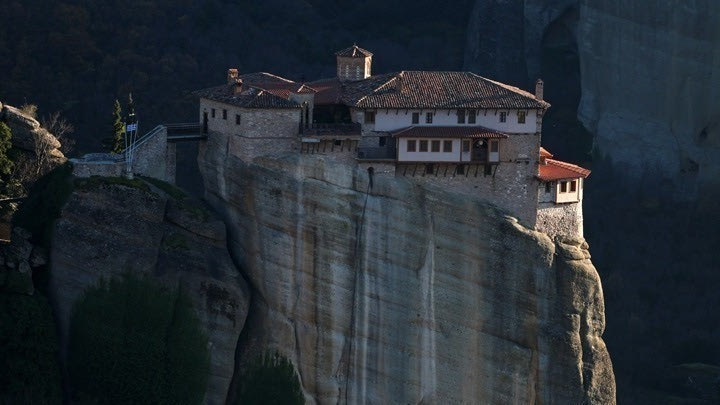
[[353, 63]]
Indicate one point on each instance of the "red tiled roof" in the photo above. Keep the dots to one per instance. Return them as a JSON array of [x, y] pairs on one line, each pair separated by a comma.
[[353, 52], [417, 89], [447, 132], [249, 97], [558, 170], [544, 153], [329, 91]]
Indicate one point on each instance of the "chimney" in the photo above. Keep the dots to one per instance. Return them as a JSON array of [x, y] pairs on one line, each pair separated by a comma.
[[237, 86], [232, 75], [399, 82], [539, 89]]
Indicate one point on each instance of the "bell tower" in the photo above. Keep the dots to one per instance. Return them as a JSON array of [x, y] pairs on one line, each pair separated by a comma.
[[353, 63]]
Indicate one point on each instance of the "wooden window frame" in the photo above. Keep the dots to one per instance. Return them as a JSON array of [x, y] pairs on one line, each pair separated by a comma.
[[435, 145], [415, 118], [471, 116], [411, 145], [429, 118], [563, 187], [447, 146], [521, 117], [423, 145], [461, 116], [503, 116], [369, 117], [573, 186]]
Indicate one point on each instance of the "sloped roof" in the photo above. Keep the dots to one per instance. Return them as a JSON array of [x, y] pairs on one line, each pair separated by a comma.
[[420, 89], [557, 170], [544, 153], [251, 97], [448, 132], [354, 52]]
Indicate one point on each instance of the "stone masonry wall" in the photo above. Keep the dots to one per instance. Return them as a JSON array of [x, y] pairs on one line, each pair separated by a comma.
[[151, 158], [560, 219]]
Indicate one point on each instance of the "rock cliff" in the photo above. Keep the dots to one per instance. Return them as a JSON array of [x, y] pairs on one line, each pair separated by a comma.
[[109, 228], [29, 136], [649, 75], [406, 294]]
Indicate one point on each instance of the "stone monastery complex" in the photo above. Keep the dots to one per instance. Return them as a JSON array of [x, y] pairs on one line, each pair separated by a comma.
[[456, 129]]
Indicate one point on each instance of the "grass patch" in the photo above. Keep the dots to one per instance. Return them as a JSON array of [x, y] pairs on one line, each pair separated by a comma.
[[94, 182], [168, 188]]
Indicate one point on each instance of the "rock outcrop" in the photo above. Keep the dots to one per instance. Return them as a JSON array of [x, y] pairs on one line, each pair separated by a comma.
[[108, 229], [650, 76], [29, 136], [406, 294], [18, 259]]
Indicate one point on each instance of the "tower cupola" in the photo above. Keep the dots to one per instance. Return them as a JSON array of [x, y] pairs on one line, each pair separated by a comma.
[[353, 63]]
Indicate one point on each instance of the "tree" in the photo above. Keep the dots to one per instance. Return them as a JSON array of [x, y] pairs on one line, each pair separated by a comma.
[[6, 165], [61, 129], [135, 341], [116, 142]]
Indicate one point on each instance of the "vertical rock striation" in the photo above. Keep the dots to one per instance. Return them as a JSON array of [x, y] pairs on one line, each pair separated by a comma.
[[406, 294]]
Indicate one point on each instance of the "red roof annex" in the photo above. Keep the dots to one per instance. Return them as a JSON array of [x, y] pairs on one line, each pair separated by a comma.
[[557, 170]]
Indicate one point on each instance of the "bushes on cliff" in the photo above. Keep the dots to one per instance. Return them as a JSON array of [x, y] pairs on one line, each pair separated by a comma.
[[30, 372], [269, 379], [135, 341]]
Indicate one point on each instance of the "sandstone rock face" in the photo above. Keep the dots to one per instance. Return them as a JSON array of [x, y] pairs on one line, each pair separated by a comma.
[[650, 76], [407, 294], [28, 135], [107, 230]]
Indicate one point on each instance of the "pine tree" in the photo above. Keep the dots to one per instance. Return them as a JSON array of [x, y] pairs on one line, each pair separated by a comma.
[[116, 142]]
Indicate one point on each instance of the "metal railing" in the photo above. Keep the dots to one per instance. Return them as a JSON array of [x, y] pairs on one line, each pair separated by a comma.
[[342, 129], [184, 128], [389, 153]]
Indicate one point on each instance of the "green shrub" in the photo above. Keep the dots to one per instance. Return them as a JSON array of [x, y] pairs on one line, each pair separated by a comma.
[[30, 372], [134, 341], [269, 379]]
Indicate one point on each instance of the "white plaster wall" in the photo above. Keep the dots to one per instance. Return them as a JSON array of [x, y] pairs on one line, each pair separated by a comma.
[[390, 120], [405, 156], [569, 196]]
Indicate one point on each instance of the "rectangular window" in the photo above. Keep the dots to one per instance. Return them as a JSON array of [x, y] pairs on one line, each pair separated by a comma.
[[466, 146], [460, 169], [423, 146], [428, 118], [573, 186], [382, 141], [461, 116], [212, 113], [416, 118], [224, 114], [447, 146], [237, 119], [338, 142], [563, 186], [548, 187], [471, 116], [503, 116], [488, 170], [429, 168], [411, 145], [521, 117], [369, 117], [434, 146], [493, 146]]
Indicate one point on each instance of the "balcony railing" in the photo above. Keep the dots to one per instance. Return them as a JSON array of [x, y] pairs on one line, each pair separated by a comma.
[[377, 153], [351, 129]]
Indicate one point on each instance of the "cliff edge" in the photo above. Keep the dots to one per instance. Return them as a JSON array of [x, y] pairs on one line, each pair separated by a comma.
[[406, 294]]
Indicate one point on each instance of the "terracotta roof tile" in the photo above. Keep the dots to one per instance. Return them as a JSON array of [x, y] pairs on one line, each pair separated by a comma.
[[251, 97], [448, 132], [558, 170], [418, 89], [544, 153], [354, 52]]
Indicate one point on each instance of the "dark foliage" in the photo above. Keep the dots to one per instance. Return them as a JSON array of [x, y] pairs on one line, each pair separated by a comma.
[[269, 379], [134, 341], [30, 372]]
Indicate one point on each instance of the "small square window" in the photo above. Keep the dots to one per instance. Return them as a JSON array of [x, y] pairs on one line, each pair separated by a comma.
[[447, 146], [573, 186], [237, 119], [212, 113], [429, 168], [466, 146], [563, 186], [415, 118], [423, 146], [411, 145], [434, 146], [503, 116], [224, 114], [428, 118], [460, 169], [471, 116], [461, 116], [369, 117], [521, 117], [338, 142]]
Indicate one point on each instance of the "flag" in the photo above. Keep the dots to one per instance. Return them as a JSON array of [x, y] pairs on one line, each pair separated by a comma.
[[131, 127]]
